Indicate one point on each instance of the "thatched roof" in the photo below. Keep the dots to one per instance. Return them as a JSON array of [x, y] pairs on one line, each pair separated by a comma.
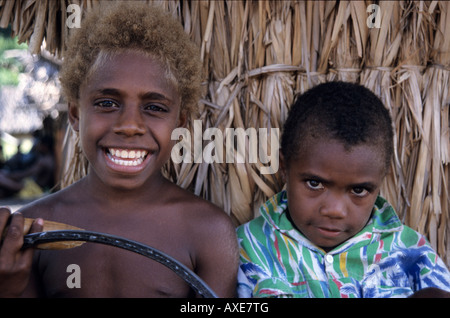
[[258, 54]]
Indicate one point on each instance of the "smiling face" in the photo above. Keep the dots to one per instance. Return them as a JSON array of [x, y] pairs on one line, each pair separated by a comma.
[[125, 116], [331, 190]]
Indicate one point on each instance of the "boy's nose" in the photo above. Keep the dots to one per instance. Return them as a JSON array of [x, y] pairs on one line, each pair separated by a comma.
[[333, 206], [129, 123]]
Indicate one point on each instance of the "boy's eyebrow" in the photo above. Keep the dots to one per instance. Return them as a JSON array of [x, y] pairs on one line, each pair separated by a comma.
[[305, 175], [366, 185], [155, 96], [148, 95], [107, 91]]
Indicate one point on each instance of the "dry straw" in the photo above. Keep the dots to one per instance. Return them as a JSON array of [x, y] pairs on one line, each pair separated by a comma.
[[258, 54]]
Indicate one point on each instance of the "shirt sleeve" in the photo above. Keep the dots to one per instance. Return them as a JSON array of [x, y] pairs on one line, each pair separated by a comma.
[[429, 270], [423, 265]]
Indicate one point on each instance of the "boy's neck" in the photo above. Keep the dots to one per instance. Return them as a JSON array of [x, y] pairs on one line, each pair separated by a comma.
[[109, 195]]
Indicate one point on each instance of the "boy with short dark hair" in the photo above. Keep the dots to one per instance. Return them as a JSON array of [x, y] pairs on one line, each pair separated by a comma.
[[131, 76], [330, 234]]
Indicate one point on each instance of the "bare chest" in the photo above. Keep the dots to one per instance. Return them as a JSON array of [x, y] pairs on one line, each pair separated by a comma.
[[95, 270]]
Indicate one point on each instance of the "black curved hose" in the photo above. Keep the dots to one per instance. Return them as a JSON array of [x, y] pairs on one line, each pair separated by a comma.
[[72, 235]]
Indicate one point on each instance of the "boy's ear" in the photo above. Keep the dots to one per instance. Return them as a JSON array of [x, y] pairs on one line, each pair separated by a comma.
[[74, 116], [283, 168], [182, 120]]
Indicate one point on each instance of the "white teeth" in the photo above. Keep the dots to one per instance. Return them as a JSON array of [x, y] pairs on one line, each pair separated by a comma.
[[117, 156], [127, 154], [127, 162]]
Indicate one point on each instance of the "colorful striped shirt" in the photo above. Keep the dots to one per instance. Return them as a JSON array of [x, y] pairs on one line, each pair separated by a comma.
[[385, 259]]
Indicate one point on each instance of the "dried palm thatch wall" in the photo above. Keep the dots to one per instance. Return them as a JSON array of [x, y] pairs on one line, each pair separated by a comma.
[[258, 54]]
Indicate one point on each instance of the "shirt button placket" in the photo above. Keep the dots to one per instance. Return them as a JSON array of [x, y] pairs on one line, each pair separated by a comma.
[[328, 262], [329, 259]]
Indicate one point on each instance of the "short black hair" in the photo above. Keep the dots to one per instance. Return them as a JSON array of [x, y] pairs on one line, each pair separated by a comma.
[[342, 111]]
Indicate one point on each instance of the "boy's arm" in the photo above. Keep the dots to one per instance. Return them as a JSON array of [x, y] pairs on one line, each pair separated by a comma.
[[218, 260], [15, 263], [430, 292]]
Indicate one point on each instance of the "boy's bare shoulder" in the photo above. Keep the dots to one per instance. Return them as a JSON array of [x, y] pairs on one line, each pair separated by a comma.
[[197, 209], [197, 219], [52, 206]]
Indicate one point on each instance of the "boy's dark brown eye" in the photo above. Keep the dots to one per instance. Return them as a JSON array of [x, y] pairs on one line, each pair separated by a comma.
[[360, 191], [155, 108], [106, 104], [314, 184]]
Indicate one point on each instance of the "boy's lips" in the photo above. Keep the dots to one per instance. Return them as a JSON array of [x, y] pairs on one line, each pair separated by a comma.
[[329, 231], [126, 160]]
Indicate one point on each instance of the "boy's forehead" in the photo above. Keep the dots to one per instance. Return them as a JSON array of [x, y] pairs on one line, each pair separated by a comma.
[[123, 59], [127, 68], [332, 151]]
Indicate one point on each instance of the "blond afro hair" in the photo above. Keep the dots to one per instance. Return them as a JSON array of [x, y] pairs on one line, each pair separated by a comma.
[[133, 26]]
